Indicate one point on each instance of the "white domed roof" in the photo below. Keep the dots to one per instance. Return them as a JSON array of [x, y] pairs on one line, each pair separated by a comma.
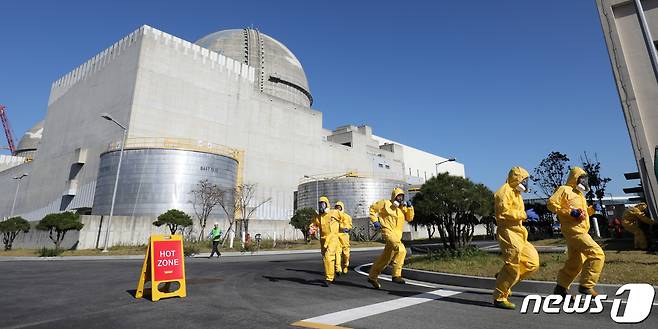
[[278, 72], [31, 139]]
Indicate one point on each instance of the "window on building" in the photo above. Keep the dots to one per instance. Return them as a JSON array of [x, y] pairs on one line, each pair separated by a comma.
[[388, 167], [381, 165]]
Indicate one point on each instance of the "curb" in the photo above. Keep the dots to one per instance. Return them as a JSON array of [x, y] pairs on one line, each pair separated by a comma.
[[526, 286], [496, 249], [141, 257], [277, 252]]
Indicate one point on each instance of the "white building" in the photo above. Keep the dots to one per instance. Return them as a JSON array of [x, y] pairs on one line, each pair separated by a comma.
[[233, 107]]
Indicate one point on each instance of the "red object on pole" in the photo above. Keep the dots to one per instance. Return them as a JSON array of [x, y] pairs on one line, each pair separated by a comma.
[[7, 128]]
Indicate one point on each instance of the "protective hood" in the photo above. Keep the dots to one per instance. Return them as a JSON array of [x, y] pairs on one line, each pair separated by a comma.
[[341, 204], [516, 176], [574, 173], [325, 200], [396, 191], [641, 206]]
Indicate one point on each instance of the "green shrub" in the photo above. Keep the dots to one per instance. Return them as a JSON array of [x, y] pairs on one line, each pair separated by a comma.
[[466, 252], [10, 229], [47, 252], [174, 219], [191, 249], [58, 224]]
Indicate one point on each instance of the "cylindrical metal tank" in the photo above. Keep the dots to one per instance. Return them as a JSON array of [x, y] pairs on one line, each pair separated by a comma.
[[153, 181], [358, 193]]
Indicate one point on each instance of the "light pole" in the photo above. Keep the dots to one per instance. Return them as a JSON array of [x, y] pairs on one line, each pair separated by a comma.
[[316, 187], [116, 180], [436, 165], [18, 185], [317, 196]]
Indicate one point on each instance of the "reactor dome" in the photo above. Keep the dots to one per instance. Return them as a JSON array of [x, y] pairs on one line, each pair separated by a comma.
[[30, 141], [278, 72]]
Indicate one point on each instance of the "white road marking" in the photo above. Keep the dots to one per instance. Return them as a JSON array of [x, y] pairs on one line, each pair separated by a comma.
[[345, 316], [467, 289], [336, 318], [389, 278]]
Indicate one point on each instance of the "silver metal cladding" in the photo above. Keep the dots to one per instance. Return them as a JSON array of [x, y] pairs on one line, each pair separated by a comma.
[[153, 181]]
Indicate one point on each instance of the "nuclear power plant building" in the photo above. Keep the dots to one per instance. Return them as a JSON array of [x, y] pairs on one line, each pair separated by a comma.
[[234, 107]]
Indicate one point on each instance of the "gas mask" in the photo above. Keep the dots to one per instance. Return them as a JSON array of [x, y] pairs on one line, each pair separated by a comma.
[[322, 207], [583, 184], [398, 200], [523, 186]]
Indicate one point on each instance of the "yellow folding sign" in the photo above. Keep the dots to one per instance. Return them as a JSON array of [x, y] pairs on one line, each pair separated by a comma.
[[163, 263]]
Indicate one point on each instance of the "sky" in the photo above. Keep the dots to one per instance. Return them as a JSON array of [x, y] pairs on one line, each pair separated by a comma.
[[493, 83]]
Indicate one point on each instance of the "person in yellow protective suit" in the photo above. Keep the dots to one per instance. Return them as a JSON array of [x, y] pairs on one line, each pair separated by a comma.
[[631, 221], [583, 253], [389, 217], [520, 256], [328, 222], [343, 251]]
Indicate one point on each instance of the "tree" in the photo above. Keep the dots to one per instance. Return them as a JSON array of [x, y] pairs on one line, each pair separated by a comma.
[[453, 206], [245, 205], [551, 172], [174, 219], [597, 183], [301, 220], [58, 224], [10, 229], [546, 218], [205, 197]]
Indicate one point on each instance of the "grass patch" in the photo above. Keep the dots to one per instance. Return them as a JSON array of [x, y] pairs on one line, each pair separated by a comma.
[[621, 266], [195, 247], [295, 245], [47, 252], [550, 242]]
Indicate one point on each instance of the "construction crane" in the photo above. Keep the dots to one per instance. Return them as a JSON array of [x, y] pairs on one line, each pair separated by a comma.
[[5, 125]]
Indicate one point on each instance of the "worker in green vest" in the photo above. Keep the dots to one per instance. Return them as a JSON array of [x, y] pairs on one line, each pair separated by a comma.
[[216, 236]]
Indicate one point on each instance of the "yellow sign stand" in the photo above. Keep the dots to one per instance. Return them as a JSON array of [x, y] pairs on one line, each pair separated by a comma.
[[163, 263]]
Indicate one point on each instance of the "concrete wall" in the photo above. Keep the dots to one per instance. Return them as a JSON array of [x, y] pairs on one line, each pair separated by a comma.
[[636, 80], [9, 161], [161, 86], [420, 165], [105, 83], [136, 231], [186, 94]]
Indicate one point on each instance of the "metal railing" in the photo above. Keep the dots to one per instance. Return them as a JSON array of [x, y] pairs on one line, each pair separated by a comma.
[[184, 144]]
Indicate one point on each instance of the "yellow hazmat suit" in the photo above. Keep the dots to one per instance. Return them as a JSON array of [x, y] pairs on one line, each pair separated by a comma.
[[631, 220], [520, 256], [391, 218], [583, 253], [343, 250], [328, 223]]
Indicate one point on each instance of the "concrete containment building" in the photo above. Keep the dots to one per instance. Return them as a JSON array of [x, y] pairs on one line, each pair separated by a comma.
[[630, 28], [233, 107]]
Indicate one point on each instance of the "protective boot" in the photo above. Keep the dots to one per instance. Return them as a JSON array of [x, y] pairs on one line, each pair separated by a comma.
[[504, 304], [398, 280], [560, 290], [375, 284], [587, 291]]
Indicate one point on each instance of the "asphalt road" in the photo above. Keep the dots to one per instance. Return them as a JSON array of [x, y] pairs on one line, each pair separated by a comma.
[[251, 292]]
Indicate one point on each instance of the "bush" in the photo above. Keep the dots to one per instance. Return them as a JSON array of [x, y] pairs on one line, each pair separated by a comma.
[[58, 224], [191, 249], [47, 252], [174, 219], [302, 221], [10, 229], [449, 254]]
